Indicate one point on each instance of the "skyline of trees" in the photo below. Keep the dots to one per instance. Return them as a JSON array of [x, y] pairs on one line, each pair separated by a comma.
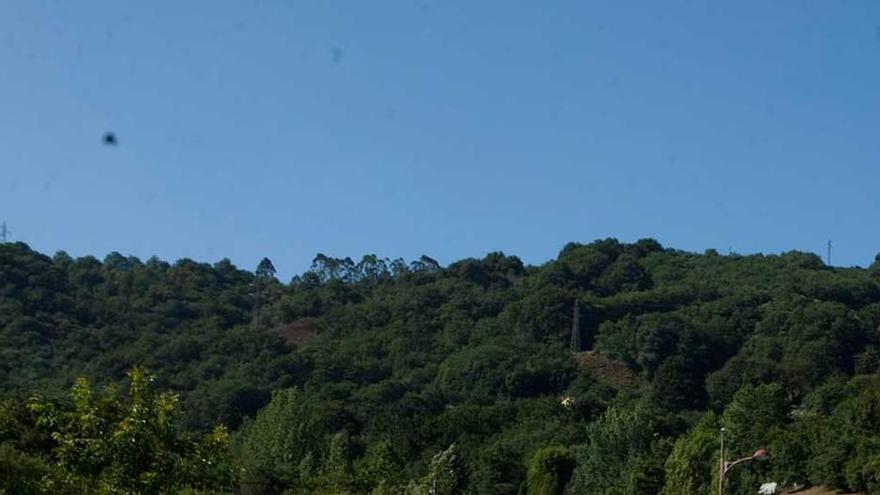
[[413, 375]]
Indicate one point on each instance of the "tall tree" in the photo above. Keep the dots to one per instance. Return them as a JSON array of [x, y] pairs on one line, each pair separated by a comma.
[[265, 273]]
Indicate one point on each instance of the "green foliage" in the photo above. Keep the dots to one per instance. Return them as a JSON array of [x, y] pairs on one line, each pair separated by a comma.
[[351, 378], [281, 443], [623, 454], [751, 418], [21, 473], [446, 473], [381, 468], [754, 419], [694, 459], [549, 471], [112, 445], [845, 446]]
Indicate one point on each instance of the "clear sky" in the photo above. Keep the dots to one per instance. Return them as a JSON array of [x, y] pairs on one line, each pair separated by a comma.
[[284, 128]]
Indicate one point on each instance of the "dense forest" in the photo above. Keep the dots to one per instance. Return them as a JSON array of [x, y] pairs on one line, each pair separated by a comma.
[[609, 370]]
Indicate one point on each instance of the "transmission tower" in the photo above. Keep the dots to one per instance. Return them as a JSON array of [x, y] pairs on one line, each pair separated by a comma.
[[576, 328], [256, 303], [4, 233]]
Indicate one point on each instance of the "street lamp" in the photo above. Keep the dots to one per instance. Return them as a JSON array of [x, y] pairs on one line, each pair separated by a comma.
[[724, 467]]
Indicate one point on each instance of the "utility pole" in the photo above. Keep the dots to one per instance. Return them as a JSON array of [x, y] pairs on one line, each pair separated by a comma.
[[721, 465], [724, 466], [4, 233], [828, 259]]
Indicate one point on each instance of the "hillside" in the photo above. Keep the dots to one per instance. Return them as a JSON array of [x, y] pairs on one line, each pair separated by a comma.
[[370, 376]]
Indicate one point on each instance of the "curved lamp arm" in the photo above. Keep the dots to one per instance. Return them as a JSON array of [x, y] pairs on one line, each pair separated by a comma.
[[759, 454]]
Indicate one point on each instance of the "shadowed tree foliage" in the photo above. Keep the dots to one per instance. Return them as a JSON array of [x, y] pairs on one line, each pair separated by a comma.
[[358, 375], [549, 471]]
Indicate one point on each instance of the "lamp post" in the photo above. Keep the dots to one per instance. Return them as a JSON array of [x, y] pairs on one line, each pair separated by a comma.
[[724, 467]]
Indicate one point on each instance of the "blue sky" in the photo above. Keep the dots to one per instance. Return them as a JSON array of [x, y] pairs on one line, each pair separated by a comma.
[[286, 128]]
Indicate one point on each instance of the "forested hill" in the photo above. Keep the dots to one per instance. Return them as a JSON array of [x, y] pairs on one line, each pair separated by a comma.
[[376, 375]]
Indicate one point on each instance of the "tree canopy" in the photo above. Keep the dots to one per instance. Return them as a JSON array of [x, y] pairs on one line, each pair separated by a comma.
[[385, 376]]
